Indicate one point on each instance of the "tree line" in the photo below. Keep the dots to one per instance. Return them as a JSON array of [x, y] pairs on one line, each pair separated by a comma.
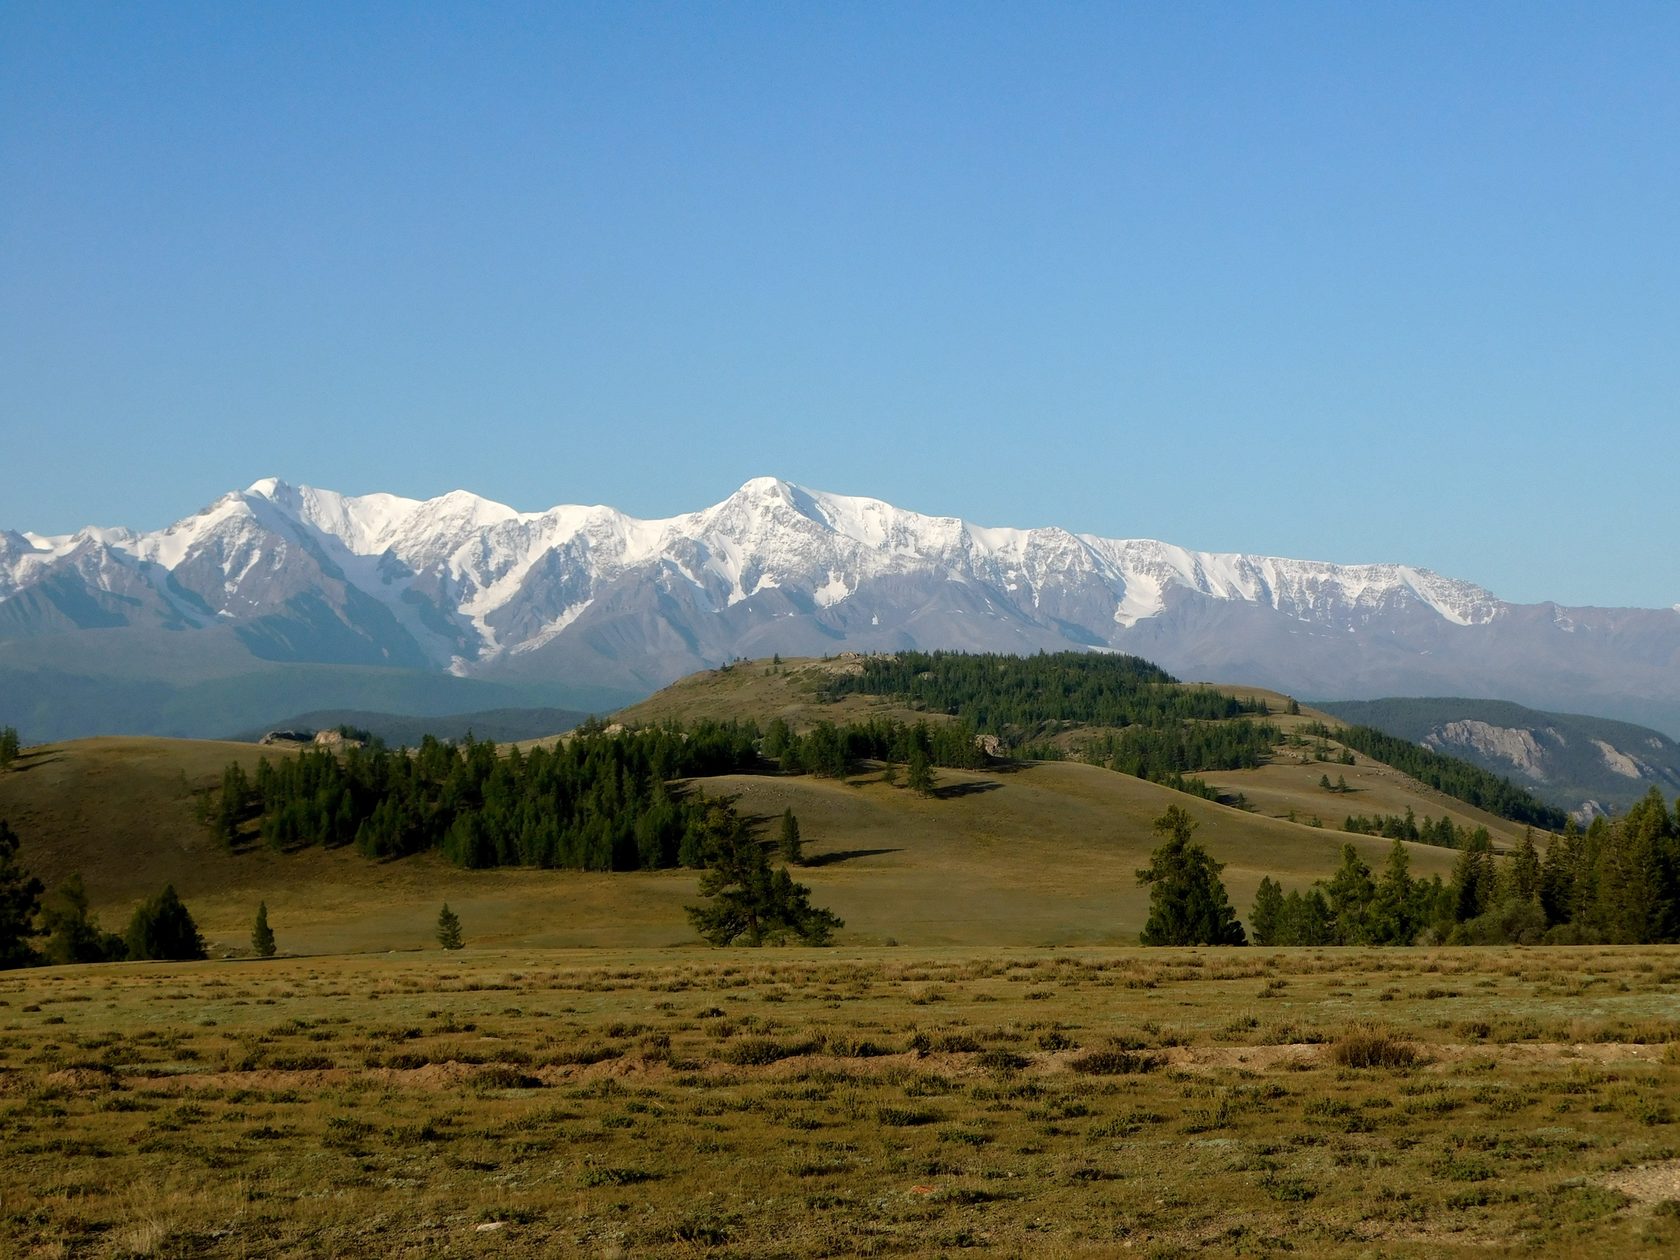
[[1018, 698], [600, 800], [1442, 832], [1615, 883], [1459, 779], [38, 927]]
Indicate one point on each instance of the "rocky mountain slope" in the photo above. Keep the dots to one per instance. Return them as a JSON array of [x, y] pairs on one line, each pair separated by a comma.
[[1584, 764], [578, 598]]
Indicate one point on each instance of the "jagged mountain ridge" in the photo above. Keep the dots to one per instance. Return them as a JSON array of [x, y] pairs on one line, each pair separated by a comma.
[[283, 573]]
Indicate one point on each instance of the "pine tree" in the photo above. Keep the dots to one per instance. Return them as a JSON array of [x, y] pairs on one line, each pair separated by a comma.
[[1473, 878], [749, 903], [9, 746], [918, 776], [1395, 913], [792, 850], [1523, 875], [262, 936], [1188, 904], [20, 897], [163, 929], [1265, 918], [449, 928], [1350, 893], [73, 934]]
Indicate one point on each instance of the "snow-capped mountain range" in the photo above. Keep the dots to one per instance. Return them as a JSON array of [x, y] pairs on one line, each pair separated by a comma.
[[590, 597]]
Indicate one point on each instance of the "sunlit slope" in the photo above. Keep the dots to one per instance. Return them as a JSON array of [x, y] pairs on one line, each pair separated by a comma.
[[1043, 854]]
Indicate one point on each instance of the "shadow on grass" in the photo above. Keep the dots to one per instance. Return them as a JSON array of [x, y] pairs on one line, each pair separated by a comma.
[[27, 761], [951, 791], [844, 855]]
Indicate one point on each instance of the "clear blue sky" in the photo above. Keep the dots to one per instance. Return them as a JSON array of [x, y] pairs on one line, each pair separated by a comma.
[[1338, 281]]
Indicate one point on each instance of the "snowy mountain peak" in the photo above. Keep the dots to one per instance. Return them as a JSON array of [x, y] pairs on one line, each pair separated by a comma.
[[462, 583]]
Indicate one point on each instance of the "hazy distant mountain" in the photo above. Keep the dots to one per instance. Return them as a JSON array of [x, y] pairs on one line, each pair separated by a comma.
[[581, 606], [1584, 764]]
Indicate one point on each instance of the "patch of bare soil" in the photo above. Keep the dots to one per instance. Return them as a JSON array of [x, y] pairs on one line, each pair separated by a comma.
[[1649, 1183]]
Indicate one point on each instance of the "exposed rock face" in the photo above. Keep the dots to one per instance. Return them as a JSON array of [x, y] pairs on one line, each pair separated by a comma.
[[1515, 745]]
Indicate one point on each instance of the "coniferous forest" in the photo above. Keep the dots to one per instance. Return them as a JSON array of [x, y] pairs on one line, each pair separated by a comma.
[[611, 799], [1456, 778], [1615, 883]]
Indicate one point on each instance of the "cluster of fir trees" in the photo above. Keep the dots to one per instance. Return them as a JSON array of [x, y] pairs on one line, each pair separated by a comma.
[[1617, 882], [40, 927], [599, 800], [1353, 907], [1174, 750], [1459, 779], [1442, 832], [1019, 697], [831, 751]]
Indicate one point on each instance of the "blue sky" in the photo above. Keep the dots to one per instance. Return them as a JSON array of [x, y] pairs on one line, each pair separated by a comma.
[[1347, 282]]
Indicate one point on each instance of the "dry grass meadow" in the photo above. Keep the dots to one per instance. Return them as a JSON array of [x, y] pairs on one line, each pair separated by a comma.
[[846, 1102], [984, 1063]]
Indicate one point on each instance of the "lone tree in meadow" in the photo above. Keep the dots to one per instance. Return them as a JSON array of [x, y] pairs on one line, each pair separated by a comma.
[[1187, 901], [262, 936], [792, 849], [748, 902], [163, 929], [449, 928], [9, 746]]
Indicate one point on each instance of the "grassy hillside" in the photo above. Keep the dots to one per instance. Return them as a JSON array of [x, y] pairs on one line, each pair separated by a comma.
[[1043, 854]]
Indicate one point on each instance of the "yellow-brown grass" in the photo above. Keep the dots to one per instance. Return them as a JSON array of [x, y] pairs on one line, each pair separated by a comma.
[[812, 1103]]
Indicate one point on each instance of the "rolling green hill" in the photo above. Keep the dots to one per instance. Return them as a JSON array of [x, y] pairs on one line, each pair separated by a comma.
[[1032, 853]]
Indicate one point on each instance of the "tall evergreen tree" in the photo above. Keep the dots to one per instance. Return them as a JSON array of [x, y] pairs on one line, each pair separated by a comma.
[[9, 746], [1473, 877], [1265, 919], [918, 776], [1188, 904], [1307, 919], [1350, 893], [20, 898], [1395, 912], [262, 936], [1523, 876], [73, 934], [788, 842], [449, 928]]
